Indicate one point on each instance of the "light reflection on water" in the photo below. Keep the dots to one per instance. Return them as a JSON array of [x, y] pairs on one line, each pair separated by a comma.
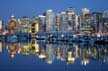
[[36, 55], [63, 52]]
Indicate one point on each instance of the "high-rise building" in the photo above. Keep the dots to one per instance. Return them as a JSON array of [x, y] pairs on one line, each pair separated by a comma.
[[71, 19], [25, 23], [97, 22], [105, 21], [64, 23], [86, 25], [105, 14], [77, 26], [85, 11], [85, 22], [70, 10], [1, 25], [34, 26], [58, 22], [50, 20], [105, 25], [19, 25], [42, 23], [12, 25]]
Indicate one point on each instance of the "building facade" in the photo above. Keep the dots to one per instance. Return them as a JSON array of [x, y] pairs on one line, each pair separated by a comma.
[[42, 23], [58, 22], [71, 18], [105, 21], [12, 26], [97, 22], [64, 23], [86, 24], [1, 25], [25, 23], [34, 26], [50, 20]]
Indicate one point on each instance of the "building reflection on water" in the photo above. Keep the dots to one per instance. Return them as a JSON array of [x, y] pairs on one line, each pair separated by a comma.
[[68, 53]]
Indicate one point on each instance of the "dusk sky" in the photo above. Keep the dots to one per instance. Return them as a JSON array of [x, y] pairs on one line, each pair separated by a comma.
[[36, 7]]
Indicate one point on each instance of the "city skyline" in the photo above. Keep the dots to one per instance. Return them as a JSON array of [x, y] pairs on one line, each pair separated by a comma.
[[33, 8], [68, 20], [54, 35]]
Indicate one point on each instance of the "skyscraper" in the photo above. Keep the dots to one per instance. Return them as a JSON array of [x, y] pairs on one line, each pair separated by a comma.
[[105, 21], [25, 23], [64, 23], [105, 25], [19, 25], [85, 24], [50, 20], [77, 26], [1, 25], [71, 18], [58, 22], [105, 14], [12, 25], [85, 11], [97, 22], [34, 26], [42, 23]]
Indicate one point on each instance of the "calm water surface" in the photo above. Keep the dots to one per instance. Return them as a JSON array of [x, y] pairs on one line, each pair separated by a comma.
[[36, 55]]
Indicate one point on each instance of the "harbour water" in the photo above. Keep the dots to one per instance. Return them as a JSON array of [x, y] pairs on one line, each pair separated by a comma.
[[42, 55]]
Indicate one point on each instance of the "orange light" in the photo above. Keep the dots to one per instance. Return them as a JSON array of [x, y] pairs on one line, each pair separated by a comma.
[[12, 56]]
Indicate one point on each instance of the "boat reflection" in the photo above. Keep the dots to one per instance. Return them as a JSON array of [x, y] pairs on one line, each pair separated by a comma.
[[64, 52]]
